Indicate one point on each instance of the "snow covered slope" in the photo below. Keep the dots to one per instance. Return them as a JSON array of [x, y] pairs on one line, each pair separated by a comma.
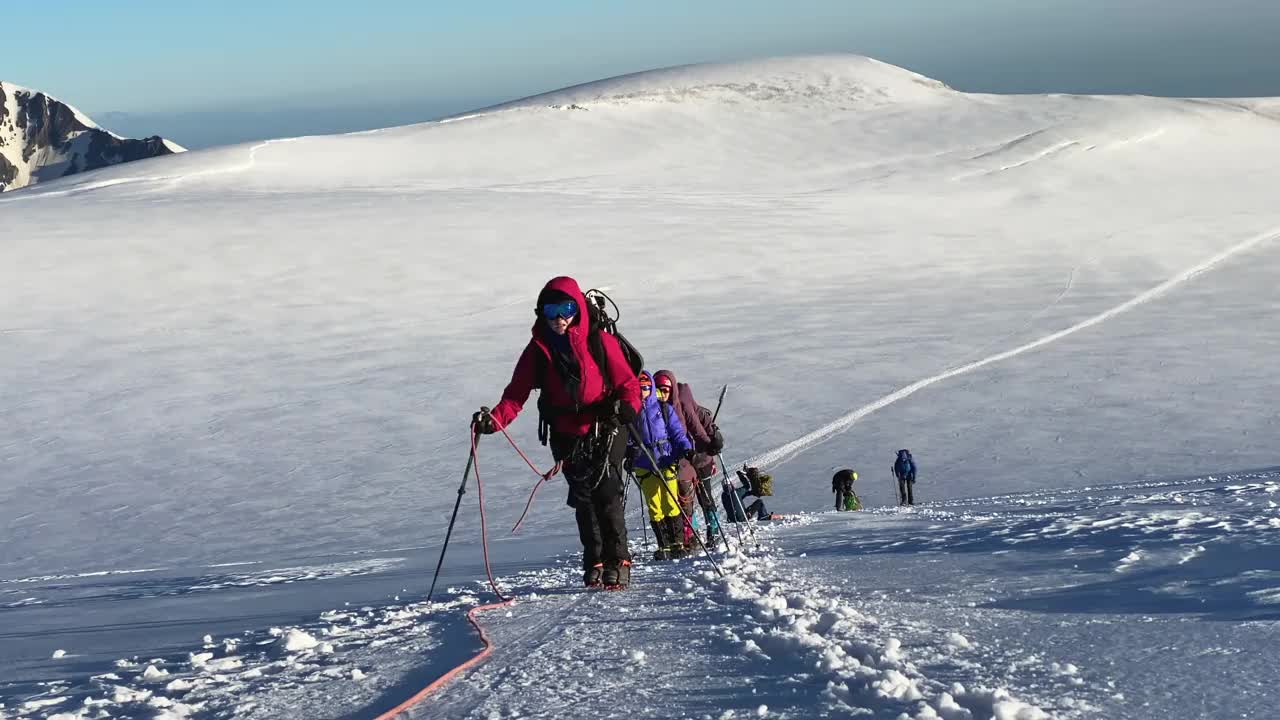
[[42, 138], [1032, 293]]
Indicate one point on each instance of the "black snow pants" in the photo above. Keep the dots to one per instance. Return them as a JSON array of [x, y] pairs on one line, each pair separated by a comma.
[[905, 496], [595, 494]]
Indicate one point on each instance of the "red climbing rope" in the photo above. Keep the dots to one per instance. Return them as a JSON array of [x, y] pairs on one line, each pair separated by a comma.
[[484, 535], [443, 679], [544, 476]]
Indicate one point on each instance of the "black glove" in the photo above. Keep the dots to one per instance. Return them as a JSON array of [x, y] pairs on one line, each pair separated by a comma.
[[482, 421], [688, 455], [624, 412], [715, 447]]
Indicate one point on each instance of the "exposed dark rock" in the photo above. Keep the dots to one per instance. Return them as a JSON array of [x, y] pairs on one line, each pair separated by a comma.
[[7, 172], [46, 139]]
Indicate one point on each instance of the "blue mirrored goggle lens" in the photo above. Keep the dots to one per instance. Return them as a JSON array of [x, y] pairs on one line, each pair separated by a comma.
[[566, 309]]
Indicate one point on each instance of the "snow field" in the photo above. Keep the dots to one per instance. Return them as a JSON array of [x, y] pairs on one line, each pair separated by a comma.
[[265, 353]]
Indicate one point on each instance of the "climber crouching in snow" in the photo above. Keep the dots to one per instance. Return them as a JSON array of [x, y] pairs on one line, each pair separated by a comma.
[[842, 486], [662, 434], [732, 497], [588, 396]]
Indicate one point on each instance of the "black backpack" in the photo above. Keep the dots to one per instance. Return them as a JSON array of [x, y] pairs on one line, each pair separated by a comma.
[[599, 321], [717, 438]]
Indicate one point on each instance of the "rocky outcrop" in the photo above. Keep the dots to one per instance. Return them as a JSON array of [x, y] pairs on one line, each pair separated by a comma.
[[42, 138]]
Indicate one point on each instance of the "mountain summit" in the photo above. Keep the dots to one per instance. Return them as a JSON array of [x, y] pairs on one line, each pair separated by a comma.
[[42, 138], [839, 81]]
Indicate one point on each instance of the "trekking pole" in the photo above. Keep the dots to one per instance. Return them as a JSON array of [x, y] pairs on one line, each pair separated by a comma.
[[752, 520], [742, 512], [719, 402], [462, 489], [643, 523], [662, 482], [703, 484], [728, 484]]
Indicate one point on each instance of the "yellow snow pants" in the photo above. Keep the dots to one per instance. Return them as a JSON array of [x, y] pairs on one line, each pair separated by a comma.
[[662, 503]]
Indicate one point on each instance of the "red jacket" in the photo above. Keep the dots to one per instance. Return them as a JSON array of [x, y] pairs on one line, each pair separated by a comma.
[[537, 355]]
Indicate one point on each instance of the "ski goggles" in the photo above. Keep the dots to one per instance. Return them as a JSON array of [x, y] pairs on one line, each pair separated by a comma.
[[566, 309], [663, 388]]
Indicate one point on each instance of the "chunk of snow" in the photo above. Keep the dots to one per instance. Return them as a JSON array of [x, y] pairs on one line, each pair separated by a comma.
[[59, 654], [122, 694], [295, 640], [33, 705]]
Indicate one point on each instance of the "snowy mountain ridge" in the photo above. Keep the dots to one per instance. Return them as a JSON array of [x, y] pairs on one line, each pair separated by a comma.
[[43, 138], [833, 81]]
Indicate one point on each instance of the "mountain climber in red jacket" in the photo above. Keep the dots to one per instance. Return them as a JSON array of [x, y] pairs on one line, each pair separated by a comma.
[[587, 397]]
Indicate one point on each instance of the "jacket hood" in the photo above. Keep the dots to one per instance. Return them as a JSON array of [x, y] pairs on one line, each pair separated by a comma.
[[559, 287], [674, 399], [653, 396]]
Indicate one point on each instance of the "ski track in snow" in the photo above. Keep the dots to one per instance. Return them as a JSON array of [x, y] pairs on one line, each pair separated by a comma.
[[826, 432], [1066, 289]]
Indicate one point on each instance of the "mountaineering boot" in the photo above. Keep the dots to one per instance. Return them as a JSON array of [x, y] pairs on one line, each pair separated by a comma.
[[713, 526], [618, 575], [591, 577], [660, 539], [675, 537]]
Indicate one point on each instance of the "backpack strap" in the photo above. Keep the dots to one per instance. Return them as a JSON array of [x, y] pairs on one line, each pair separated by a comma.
[[546, 411], [595, 346]]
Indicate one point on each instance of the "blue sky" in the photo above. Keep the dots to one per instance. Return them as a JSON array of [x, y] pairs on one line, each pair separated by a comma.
[[426, 58]]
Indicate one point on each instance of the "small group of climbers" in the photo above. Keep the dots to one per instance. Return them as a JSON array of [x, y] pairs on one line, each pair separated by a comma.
[[603, 419], [904, 471]]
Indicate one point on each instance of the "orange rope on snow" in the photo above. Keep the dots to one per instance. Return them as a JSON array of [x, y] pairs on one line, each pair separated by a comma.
[[443, 679], [484, 534], [504, 601]]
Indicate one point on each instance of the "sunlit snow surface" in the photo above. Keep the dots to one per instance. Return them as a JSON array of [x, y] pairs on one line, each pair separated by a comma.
[[1093, 602], [236, 386]]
